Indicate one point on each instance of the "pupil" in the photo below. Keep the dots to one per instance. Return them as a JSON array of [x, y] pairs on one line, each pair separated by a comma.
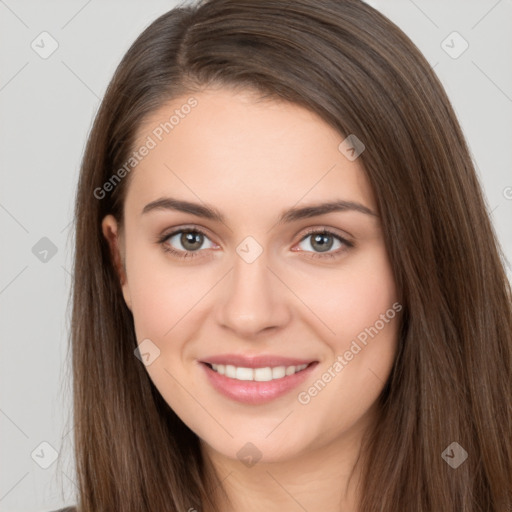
[[191, 238], [324, 242]]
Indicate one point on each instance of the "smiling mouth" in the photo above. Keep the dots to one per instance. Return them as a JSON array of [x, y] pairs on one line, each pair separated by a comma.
[[259, 384], [263, 374]]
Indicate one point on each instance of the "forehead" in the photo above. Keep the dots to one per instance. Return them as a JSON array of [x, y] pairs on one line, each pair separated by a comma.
[[244, 154]]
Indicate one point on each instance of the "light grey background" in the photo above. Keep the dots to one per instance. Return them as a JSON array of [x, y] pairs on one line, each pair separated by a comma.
[[47, 106]]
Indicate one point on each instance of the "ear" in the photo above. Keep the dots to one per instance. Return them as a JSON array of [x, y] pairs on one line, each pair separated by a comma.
[[111, 232]]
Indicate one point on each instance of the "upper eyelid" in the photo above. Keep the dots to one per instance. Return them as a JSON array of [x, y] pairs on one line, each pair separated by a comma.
[[173, 232], [323, 229]]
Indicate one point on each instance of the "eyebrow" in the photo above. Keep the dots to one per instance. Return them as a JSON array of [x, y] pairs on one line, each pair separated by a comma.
[[291, 215]]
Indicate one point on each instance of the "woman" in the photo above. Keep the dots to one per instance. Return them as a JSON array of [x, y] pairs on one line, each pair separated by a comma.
[[288, 294]]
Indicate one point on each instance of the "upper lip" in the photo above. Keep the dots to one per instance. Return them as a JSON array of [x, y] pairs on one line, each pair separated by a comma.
[[260, 361]]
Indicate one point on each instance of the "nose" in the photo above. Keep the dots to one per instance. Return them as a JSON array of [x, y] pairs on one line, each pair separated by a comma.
[[254, 299]]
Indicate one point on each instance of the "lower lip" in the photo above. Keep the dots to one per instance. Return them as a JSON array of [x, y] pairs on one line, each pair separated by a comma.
[[254, 392]]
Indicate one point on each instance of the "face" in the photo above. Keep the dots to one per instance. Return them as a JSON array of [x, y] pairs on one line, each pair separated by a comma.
[[253, 275]]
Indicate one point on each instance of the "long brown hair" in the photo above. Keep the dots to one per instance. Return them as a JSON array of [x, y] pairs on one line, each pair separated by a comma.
[[452, 377]]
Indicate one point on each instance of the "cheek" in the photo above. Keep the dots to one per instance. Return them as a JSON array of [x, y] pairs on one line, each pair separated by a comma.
[[165, 303], [350, 298], [162, 294], [359, 305]]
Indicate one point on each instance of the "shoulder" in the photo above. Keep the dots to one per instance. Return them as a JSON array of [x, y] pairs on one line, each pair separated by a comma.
[[66, 509]]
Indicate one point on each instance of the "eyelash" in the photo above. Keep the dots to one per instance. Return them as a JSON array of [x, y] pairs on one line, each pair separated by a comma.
[[192, 254]]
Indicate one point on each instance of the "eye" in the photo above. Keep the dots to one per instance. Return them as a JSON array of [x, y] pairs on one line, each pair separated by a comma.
[[322, 241], [184, 242], [188, 242]]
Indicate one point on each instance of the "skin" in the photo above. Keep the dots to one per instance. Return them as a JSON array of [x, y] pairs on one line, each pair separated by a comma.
[[252, 159]]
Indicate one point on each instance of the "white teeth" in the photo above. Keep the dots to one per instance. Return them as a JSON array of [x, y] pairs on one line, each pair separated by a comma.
[[263, 374], [290, 370], [278, 372], [244, 374], [230, 371], [257, 374]]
